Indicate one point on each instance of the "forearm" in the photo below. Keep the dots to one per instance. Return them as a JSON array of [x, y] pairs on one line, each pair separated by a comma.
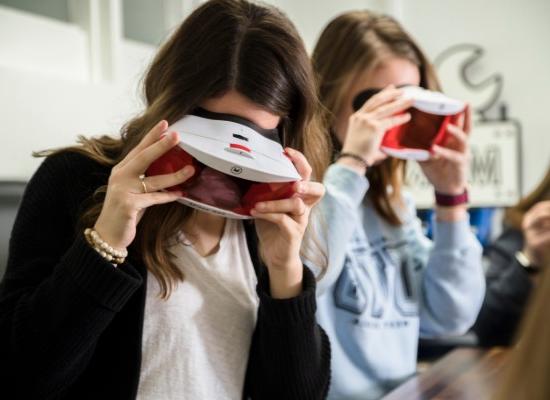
[[290, 353], [451, 214], [56, 323], [285, 283], [338, 217], [453, 284]]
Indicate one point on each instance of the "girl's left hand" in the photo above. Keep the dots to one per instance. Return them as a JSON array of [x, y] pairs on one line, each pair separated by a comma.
[[448, 168], [281, 225]]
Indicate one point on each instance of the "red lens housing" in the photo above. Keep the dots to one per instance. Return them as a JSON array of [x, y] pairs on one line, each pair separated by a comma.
[[217, 189]]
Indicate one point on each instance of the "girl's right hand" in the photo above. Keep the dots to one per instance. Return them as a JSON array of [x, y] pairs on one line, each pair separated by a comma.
[[126, 198], [367, 125]]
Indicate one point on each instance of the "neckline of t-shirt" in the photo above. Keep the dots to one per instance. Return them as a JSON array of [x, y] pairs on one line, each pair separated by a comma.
[[227, 234]]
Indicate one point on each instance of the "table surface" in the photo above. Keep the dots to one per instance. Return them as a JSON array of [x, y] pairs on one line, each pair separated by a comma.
[[463, 374]]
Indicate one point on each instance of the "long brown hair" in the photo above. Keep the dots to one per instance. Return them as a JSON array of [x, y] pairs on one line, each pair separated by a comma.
[[526, 377], [351, 44], [222, 45], [514, 215]]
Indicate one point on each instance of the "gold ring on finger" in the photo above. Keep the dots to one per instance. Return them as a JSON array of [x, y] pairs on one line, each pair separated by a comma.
[[142, 180]]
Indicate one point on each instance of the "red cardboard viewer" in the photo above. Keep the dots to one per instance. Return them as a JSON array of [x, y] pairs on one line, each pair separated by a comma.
[[431, 112], [237, 164]]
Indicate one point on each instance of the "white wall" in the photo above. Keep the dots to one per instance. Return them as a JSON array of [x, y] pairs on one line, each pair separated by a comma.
[[42, 46], [311, 16], [49, 94], [57, 9], [515, 36], [143, 20]]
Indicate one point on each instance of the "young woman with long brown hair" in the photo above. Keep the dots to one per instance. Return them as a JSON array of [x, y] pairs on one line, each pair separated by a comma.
[[113, 290], [387, 283]]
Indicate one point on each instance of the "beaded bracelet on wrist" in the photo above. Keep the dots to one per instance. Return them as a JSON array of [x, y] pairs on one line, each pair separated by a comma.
[[103, 248]]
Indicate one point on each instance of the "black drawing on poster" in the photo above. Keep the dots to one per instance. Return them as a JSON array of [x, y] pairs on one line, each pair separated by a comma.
[[484, 93]]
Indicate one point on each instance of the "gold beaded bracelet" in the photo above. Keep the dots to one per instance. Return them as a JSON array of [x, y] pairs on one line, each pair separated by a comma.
[[103, 248]]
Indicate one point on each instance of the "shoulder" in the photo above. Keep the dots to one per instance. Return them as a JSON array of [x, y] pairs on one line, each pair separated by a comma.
[[73, 161], [66, 178], [68, 160], [72, 166]]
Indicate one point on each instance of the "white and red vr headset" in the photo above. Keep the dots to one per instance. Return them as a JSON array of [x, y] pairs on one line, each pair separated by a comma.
[[431, 112], [237, 164]]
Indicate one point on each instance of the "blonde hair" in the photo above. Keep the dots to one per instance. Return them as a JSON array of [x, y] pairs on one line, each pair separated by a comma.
[[350, 44]]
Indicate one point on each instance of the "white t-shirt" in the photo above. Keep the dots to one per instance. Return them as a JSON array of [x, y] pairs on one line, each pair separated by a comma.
[[196, 343]]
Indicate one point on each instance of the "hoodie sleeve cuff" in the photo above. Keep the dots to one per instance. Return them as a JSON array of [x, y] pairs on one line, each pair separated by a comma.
[[454, 235], [109, 286], [345, 183], [291, 311]]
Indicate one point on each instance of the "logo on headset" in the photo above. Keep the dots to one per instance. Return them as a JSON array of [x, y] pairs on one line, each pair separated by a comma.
[[235, 170]]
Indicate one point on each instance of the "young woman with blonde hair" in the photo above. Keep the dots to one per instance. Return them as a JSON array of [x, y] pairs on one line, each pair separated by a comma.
[[387, 283], [196, 306]]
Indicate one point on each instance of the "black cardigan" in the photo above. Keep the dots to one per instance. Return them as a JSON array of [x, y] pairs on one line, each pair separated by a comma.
[[508, 289], [71, 324]]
